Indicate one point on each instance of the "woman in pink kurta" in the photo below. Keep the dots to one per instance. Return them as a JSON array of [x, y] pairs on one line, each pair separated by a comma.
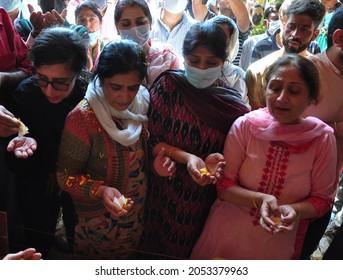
[[277, 165]]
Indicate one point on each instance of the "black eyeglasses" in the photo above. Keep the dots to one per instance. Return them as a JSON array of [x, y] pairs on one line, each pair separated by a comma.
[[40, 82]]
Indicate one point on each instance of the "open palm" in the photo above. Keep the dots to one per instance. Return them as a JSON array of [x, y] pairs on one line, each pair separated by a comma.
[[22, 146]]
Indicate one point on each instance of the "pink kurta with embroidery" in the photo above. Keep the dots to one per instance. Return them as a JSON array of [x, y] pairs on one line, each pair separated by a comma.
[[292, 162]]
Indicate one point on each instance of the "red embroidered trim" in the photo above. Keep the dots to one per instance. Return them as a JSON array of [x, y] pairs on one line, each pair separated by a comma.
[[223, 184]]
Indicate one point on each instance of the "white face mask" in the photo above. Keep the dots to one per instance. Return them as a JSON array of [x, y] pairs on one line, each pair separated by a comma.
[[175, 6], [202, 78], [10, 5], [93, 37], [138, 34], [273, 26]]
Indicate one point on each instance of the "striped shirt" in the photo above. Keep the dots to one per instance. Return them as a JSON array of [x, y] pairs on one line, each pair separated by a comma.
[[175, 37], [247, 49], [242, 36]]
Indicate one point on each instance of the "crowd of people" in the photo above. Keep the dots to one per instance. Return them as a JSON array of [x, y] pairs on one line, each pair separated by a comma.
[[173, 129]]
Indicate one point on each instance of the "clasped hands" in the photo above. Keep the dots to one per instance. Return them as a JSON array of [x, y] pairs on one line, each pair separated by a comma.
[[276, 218], [108, 195], [40, 21], [214, 163]]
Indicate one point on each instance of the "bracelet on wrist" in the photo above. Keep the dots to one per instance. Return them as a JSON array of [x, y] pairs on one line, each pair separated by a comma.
[[254, 201]]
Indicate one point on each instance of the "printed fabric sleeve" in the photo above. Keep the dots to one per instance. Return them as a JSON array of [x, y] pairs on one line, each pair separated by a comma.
[[74, 153], [159, 97], [224, 184]]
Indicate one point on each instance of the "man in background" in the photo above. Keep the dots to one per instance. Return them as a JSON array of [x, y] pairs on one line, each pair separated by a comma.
[[300, 28], [171, 24], [271, 22]]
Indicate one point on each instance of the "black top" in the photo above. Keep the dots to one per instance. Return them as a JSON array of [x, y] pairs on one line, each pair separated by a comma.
[[45, 122]]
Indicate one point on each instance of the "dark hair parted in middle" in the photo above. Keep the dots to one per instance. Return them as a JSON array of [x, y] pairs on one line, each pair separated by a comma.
[[120, 57], [58, 45], [307, 71], [91, 6], [131, 3], [208, 35]]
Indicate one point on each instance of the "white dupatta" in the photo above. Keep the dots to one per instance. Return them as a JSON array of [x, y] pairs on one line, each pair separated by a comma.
[[132, 118]]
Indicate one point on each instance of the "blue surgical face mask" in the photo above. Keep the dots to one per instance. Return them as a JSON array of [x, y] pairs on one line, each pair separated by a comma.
[[139, 34], [10, 5], [93, 37], [202, 78], [273, 26], [175, 6]]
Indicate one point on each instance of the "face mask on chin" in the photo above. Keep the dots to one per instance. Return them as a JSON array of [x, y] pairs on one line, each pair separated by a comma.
[[138, 34], [175, 6], [202, 78]]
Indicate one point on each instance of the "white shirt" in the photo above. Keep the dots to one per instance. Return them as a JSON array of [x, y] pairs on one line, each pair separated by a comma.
[[175, 37]]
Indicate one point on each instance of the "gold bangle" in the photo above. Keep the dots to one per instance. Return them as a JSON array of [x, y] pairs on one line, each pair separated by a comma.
[[253, 201]]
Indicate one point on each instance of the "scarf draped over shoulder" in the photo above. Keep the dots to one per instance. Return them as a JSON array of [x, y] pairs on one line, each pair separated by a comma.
[[132, 118], [217, 106], [265, 127]]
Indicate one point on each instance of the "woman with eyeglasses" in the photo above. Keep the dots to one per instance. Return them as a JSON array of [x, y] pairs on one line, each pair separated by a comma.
[[42, 103]]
